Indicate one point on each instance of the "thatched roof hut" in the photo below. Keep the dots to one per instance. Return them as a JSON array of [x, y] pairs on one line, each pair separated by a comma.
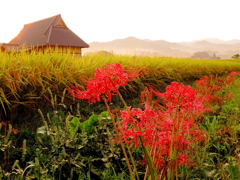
[[47, 34]]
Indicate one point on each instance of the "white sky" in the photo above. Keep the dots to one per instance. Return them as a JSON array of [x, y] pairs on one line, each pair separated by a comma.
[[106, 20]]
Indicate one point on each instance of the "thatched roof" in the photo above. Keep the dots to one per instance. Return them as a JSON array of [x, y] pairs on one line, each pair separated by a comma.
[[48, 32], [7, 46]]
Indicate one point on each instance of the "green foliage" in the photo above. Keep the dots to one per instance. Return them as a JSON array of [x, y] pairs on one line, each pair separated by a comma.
[[73, 126], [65, 150], [88, 125], [236, 56], [219, 157], [6, 147]]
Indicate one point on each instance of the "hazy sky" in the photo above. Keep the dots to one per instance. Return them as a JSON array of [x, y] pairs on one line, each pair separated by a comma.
[[106, 20]]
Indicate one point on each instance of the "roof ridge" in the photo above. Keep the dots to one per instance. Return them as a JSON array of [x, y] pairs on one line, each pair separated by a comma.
[[43, 19], [50, 33], [51, 23]]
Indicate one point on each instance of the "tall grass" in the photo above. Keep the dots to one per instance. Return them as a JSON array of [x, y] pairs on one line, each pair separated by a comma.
[[25, 77]]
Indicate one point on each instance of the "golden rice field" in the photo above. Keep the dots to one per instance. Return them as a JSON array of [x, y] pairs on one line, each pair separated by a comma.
[[27, 77]]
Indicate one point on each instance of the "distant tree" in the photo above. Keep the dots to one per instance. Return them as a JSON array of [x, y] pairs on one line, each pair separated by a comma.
[[99, 53], [214, 56], [236, 56], [201, 55]]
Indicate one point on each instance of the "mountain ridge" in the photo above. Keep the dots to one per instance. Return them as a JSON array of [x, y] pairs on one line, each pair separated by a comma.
[[134, 46]]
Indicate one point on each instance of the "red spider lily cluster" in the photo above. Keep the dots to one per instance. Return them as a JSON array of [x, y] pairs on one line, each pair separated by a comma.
[[181, 98], [209, 86], [138, 123], [167, 130], [106, 82]]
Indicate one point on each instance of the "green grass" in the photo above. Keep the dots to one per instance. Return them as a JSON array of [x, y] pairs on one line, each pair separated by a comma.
[[219, 158], [26, 77]]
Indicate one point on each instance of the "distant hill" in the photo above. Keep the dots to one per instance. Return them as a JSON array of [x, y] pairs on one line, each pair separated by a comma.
[[135, 46], [218, 41]]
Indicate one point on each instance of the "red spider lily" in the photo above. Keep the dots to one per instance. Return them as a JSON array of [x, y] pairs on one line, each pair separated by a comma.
[[106, 82], [137, 124], [177, 131], [231, 77], [209, 86], [232, 73], [167, 130], [15, 131], [182, 98]]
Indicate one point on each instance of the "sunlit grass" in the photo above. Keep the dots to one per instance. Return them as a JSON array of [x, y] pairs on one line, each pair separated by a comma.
[[25, 77]]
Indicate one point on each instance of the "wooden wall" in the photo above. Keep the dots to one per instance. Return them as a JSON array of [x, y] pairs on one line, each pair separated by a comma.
[[62, 49]]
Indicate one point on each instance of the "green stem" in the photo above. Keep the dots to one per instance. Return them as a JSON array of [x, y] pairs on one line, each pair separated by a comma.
[[177, 127], [145, 148], [119, 138], [133, 162]]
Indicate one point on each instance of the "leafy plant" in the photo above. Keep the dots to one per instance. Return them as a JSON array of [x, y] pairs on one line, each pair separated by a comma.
[[6, 146], [88, 125]]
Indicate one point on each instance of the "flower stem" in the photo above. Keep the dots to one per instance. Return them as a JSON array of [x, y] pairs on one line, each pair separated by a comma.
[[119, 138], [145, 148]]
